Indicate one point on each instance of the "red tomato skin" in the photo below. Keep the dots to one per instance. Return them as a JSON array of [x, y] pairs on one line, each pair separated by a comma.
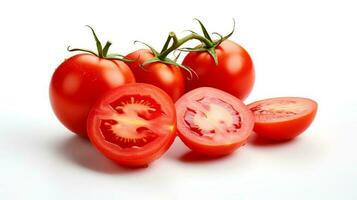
[[233, 74], [108, 150], [142, 162], [214, 151], [284, 130], [78, 82], [167, 77]]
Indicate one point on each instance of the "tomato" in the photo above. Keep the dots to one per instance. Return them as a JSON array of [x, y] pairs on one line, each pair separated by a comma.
[[283, 118], [213, 122], [234, 72], [165, 76], [79, 81], [133, 124]]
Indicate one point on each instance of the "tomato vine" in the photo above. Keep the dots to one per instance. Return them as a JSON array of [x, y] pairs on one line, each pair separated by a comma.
[[208, 44]]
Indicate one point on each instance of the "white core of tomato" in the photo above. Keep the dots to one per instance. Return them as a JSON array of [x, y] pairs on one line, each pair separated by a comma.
[[128, 122], [214, 118]]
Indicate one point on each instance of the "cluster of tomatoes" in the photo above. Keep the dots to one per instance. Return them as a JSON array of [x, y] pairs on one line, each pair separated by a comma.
[[133, 107]]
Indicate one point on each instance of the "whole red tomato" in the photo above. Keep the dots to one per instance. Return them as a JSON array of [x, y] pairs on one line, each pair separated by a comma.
[[80, 80], [234, 72], [165, 76]]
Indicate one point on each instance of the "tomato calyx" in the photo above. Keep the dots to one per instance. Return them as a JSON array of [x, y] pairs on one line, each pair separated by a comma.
[[102, 52], [158, 57], [173, 43], [161, 56], [210, 46]]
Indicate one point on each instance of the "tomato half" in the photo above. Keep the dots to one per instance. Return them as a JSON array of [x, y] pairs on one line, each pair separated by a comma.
[[167, 77], [133, 124], [79, 81], [283, 118], [213, 122], [233, 74]]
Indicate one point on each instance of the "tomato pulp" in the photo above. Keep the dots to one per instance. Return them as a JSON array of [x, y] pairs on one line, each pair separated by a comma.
[[233, 74], [213, 122], [283, 118], [133, 124], [78, 82]]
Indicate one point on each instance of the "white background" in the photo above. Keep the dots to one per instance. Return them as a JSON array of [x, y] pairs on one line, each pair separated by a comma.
[[300, 48]]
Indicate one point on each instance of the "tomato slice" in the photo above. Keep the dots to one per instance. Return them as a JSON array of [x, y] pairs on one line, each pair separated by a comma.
[[133, 124], [283, 118], [213, 122]]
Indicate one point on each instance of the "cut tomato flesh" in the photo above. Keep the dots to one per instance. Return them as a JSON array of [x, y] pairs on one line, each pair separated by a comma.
[[283, 118], [278, 110], [210, 116], [133, 125], [213, 122], [126, 139], [130, 124]]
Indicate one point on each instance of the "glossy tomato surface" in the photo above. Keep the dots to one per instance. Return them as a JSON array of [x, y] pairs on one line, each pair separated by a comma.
[[133, 124], [78, 82], [233, 74], [167, 77], [283, 118], [213, 122]]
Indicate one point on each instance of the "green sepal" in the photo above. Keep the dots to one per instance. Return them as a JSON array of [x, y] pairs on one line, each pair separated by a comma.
[[225, 37], [174, 63], [209, 49], [115, 56], [219, 35], [163, 59], [98, 43], [151, 60], [204, 30], [168, 62], [84, 50], [177, 57], [102, 52], [156, 53], [191, 31], [188, 49], [212, 52]]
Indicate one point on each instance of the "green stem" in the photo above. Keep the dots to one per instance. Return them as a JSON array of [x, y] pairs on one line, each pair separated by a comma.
[[106, 48], [174, 38], [178, 42], [166, 45]]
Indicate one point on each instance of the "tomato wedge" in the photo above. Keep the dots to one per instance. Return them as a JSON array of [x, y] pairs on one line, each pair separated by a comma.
[[213, 122], [133, 124], [283, 118]]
